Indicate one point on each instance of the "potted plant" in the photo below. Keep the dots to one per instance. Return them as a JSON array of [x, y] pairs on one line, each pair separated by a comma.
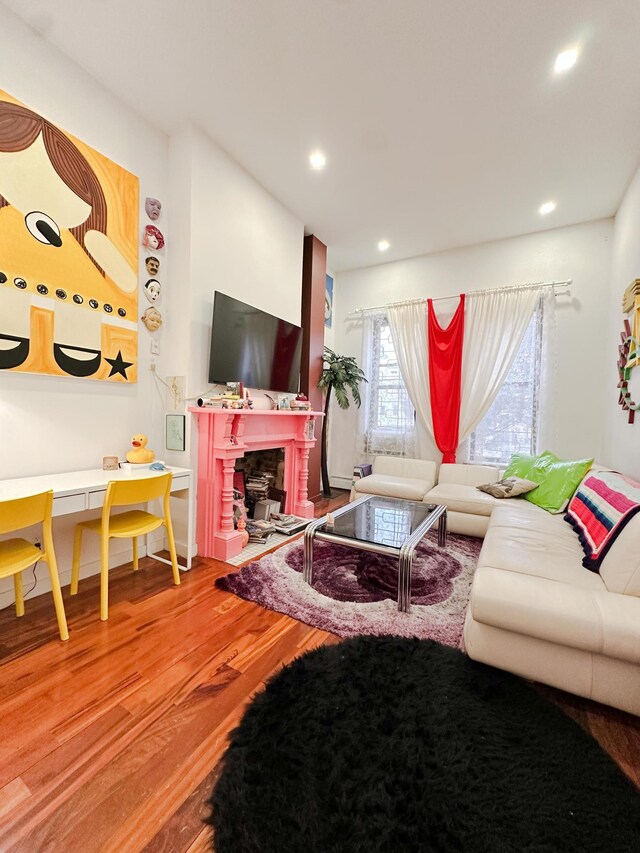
[[340, 374]]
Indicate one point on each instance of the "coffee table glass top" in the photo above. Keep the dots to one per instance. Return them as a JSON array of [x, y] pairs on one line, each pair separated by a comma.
[[385, 521]]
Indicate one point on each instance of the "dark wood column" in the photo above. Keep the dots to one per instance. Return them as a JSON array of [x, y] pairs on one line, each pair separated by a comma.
[[314, 271]]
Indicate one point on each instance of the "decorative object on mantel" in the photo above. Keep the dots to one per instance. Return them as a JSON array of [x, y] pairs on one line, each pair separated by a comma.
[[140, 455], [341, 374], [301, 402], [153, 238], [152, 207], [152, 319]]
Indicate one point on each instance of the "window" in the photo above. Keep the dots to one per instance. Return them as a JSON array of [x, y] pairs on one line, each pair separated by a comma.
[[511, 424], [391, 408], [388, 426]]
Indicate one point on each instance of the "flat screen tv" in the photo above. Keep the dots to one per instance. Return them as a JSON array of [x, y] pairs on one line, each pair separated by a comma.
[[253, 347]]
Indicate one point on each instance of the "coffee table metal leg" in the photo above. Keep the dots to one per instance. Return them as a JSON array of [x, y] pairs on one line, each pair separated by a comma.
[[442, 530], [405, 565], [307, 565]]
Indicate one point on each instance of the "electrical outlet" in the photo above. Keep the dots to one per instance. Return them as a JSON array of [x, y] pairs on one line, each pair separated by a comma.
[[37, 542], [152, 367]]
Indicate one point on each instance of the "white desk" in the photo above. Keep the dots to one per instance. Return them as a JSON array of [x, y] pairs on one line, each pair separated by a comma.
[[76, 491]]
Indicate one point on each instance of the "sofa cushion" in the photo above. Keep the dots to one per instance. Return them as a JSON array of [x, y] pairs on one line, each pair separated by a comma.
[[467, 475], [544, 548], [388, 486], [589, 619], [400, 466], [461, 499]]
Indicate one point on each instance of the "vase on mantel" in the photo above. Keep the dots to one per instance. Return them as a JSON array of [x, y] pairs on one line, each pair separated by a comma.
[[242, 527]]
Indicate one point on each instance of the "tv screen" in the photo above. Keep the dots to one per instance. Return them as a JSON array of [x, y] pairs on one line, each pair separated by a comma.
[[253, 347]]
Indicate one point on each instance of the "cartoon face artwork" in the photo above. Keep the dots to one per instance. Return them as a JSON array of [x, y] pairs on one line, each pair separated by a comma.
[[153, 207], [152, 290], [153, 266], [68, 253], [152, 319], [152, 238]]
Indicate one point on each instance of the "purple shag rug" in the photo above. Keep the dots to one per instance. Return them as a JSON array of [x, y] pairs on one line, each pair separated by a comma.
[[355, 592]]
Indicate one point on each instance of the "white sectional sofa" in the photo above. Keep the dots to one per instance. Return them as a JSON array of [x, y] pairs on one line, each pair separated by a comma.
[[534, 609]]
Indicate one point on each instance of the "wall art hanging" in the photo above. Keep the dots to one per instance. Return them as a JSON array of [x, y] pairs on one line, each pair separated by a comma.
[[68, 253], [152, 238], [152, 207]]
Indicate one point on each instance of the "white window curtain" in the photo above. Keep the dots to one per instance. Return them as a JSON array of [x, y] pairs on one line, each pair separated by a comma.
[[386, 418], [494, 326], [408, 325]]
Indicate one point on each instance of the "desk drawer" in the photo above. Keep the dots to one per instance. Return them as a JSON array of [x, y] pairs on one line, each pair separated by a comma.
[[180, 482], [66, 504], [96, 499]]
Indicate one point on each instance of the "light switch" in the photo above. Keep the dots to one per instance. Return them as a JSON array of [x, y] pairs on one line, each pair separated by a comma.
[[155, 347]]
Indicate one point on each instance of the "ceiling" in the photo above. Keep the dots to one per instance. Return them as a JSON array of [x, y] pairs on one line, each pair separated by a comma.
[[442, 120]]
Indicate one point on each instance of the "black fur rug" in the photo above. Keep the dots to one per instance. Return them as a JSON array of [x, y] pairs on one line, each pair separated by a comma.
[[387, 744]]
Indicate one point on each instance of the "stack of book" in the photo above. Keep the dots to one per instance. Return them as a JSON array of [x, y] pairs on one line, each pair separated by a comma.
[[257, 486], [260, 531]]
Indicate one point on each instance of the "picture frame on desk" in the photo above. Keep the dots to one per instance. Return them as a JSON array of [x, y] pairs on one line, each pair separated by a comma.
[[175, 432]]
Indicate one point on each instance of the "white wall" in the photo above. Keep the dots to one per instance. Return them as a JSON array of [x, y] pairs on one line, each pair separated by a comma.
[[581, 252], [52, 424], [621, 448], [233, 236]]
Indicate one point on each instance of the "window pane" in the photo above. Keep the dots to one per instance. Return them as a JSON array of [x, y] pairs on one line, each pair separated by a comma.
[[392, 409], [510, 425]]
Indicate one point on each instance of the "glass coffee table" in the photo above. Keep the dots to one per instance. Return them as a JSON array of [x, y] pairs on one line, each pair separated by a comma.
[[383, 525]]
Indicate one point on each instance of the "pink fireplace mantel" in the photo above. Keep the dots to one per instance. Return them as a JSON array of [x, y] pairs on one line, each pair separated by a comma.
[[224, 435]]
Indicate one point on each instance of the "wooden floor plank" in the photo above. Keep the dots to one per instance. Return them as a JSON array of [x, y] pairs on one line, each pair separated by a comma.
[[123, 728]]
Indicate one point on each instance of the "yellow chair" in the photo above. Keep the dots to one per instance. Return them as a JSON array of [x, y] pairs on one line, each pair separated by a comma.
[[16, 555], [126, 525]]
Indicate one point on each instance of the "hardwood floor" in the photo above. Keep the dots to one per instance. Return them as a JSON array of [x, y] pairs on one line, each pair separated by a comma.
[[111, 741]]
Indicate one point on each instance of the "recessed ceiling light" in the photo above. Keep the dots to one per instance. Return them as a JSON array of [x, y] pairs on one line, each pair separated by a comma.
[[383, 245], [565, 60], [317, 160], [547, 207]]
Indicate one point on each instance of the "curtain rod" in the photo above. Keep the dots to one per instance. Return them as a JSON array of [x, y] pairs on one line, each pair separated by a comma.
[[566, 283]]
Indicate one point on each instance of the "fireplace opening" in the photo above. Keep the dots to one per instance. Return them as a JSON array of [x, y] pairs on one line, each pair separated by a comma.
[[258, 483]]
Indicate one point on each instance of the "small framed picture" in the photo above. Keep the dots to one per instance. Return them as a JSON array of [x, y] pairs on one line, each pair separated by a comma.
[[175, 428]]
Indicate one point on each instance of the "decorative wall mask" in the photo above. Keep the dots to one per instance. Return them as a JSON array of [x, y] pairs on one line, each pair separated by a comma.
[[153, 266], [152, 238], [152, 207], [152, 290], [152, 319], [68, 253]]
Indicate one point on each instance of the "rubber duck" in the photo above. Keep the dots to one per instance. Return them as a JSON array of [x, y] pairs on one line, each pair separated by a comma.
[[139, 455]]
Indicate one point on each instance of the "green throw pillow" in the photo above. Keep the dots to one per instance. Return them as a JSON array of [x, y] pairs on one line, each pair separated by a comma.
[[557, 479]]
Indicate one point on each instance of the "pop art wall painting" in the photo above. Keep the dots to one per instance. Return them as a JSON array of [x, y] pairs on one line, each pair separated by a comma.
[[68, 253]]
